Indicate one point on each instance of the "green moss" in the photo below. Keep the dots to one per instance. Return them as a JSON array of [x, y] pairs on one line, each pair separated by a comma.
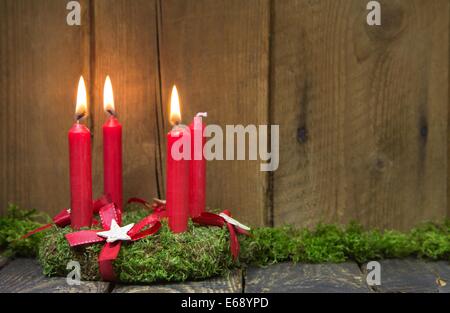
[[362, 245], [55, 253], [204, 251], [331, 243], [13, 225], [432, 240], [199, 253], [161, 257], [268, 245]]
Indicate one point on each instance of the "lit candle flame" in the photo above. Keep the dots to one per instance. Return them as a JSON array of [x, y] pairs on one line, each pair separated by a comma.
[[81, 108], [108, 97], [175, 113]]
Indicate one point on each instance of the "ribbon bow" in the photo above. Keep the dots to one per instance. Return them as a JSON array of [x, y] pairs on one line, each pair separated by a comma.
[[113, 234], [233, 226], [62, 219]]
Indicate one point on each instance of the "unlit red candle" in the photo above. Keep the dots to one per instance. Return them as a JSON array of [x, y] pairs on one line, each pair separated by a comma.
[[80, 165], [112, 151], [197, 175]]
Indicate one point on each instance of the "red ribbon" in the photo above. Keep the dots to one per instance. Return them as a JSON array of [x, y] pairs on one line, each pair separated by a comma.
[[206, 218], [62, 219], [212, 219], [145, 227], [158, 206]]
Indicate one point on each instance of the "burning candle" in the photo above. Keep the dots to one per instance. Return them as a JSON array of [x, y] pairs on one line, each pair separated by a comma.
[[177, 168], [112, 150], [197, 175], [80, 165]]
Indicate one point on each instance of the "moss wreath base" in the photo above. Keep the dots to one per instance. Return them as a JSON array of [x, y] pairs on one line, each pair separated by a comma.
[[204, 252], [198, 253]]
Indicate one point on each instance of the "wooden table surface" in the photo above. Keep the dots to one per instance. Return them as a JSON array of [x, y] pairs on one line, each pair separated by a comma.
[[408, 275]]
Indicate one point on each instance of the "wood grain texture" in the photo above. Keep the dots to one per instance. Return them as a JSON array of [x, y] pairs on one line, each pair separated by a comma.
[[362, 112], [42, 59], [25, 276], [441, 271], [317, 278], [410, 275], [448, 132], [216, 52], [126, 49], [232, 283]]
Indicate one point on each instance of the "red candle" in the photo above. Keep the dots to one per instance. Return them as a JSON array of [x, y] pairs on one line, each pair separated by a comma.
[[80, 166], [112, 151], [177, 168], [197, 175]]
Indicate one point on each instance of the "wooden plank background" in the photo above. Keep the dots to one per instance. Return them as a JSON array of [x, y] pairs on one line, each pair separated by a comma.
[[217, 54], [127, 51], [365, 137], [41, 59], [363, 111]]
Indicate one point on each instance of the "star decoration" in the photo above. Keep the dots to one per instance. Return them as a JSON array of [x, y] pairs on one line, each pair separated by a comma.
[[116, 232], [233, 221]]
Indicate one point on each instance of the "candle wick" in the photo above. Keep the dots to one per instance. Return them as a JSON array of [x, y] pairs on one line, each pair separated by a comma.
[[111, 112], [79, 116], [202, 114]]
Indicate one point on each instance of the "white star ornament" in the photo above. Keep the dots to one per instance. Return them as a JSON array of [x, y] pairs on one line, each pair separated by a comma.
[[116, 232]]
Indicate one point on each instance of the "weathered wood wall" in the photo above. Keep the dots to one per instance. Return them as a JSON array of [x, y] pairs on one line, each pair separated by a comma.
[[363, 111], [217, 52], [127, 51], [368, 106], [40, 60]]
